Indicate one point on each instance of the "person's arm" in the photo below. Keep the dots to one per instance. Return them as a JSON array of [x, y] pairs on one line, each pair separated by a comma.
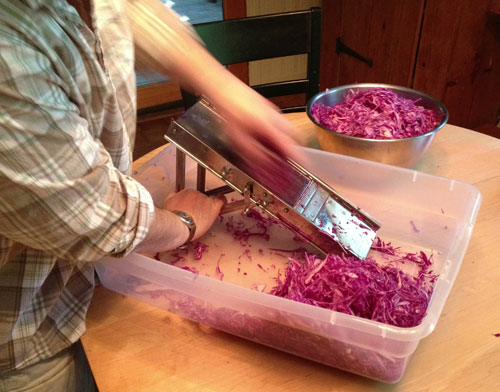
[[165, 44], [59, 189]]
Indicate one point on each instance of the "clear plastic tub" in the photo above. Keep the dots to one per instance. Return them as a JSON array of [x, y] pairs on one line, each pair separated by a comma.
[[417, 211]]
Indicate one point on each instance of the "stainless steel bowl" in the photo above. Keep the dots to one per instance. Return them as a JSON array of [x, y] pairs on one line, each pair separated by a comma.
[[399, 152]]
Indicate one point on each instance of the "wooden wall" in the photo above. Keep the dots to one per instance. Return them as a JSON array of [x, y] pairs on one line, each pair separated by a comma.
[[447, 48], [384, 32], [459, 60]]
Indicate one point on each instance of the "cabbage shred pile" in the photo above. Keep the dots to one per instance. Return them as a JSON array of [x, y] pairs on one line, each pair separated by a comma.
[[376, 114], [340, 282], [360, 288]]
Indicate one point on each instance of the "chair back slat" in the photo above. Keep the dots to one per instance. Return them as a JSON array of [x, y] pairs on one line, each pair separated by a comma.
[[256, 38], [265, 37]]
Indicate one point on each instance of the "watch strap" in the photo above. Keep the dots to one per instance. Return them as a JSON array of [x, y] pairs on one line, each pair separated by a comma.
[[189, 222]]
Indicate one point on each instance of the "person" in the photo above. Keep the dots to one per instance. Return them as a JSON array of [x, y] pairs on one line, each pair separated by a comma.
[[67, 128]]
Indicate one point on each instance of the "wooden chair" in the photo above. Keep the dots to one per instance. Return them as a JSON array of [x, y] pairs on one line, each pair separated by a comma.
[[264, 37]]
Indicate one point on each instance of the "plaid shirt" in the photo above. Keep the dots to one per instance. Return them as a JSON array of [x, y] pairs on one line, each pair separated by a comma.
[[67, 122]]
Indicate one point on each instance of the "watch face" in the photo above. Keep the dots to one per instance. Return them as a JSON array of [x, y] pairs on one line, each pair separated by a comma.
[[188, 221], [187, 217]]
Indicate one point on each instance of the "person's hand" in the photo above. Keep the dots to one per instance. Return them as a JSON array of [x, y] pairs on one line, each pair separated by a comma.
[[255, 125], [203, 209]]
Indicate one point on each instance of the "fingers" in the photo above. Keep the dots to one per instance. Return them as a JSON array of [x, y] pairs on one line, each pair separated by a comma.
[[218, 203], [220, 200], [253, 147], [250, 151], [288, 139], [169, 196], [285, 148]]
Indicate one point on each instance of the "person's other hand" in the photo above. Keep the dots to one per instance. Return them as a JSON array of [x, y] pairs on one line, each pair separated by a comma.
[[254, 124], [202, 208]]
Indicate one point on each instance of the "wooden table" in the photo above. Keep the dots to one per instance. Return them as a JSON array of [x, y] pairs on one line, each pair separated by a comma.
[[132, 346]]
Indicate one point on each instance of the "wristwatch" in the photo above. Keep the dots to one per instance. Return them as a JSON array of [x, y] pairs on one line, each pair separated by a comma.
[[188, 221]]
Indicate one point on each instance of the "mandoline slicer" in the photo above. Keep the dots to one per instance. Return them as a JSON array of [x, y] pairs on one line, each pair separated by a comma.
[[301, 202]]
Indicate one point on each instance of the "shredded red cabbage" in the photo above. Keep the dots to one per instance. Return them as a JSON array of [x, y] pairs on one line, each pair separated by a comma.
[[277, 330], [242, 234], [377, 113], [361, 288], [177, 257], [342, 283], [414, 226], [198, 249], [219, 273], [246, 253], [191, 269]]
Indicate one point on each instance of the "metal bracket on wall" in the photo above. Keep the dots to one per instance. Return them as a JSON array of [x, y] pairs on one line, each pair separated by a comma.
[[343, 48]]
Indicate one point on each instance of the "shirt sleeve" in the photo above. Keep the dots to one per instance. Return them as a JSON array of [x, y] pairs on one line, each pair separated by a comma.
[[59, 191]]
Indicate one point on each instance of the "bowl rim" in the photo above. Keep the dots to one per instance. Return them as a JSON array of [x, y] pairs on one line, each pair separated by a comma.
[[392, 87]]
